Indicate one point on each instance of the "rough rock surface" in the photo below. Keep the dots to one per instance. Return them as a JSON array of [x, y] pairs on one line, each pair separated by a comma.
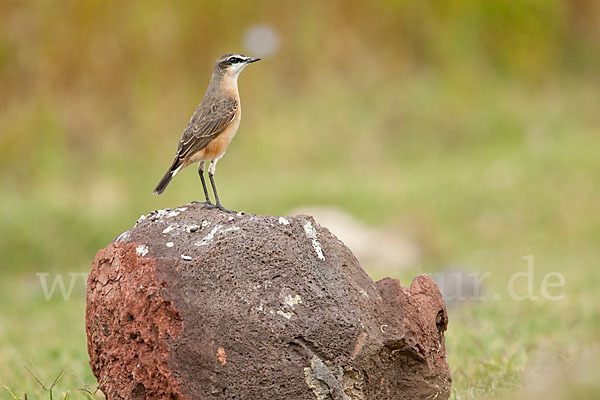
[[198, 304]]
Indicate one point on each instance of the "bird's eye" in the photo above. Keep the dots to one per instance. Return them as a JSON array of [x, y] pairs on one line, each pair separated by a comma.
[[234, 60]]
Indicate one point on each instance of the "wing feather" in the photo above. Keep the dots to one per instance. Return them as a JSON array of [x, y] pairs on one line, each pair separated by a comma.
[[206, 124]]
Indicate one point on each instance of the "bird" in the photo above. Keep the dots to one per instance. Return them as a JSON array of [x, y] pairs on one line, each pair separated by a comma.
[[212, 126]]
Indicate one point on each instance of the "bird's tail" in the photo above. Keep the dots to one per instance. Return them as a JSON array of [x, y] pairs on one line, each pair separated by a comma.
[[171, 172]]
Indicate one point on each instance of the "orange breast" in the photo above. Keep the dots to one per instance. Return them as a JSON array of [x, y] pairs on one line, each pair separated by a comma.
[[218, 145]]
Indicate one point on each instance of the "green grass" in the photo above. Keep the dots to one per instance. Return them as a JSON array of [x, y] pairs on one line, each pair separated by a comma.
[[480, 176], [44, 336]]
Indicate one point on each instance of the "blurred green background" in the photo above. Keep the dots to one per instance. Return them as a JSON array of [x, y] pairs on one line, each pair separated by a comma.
[[474, 126]]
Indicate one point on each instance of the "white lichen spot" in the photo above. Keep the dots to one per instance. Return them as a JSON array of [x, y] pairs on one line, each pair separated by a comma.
[[362, 291], [205, 224], [141, 250], [211, 235], [181, 209], [287, 315], [168, 229], [260, 307], [122, 236], [160, 214], [311, 233], [170, 244], [293, 301], [324, 380], [140, 219], [230, 219], [206, 239], [173, 213], [186, 258], [284, 221]]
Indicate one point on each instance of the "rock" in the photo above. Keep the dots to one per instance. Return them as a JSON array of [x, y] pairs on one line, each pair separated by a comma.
[[378, 250], [256, 307]]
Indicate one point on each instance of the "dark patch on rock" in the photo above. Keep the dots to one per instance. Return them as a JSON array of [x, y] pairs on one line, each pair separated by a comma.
[[267, 308]]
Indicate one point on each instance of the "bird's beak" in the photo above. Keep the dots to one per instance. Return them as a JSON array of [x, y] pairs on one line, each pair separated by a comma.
[[251, 60]]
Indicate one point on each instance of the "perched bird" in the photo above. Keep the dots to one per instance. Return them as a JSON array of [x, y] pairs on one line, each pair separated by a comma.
[[213, 125]]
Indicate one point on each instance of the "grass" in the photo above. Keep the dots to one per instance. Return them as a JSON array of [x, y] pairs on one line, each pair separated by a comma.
[[480, 176]]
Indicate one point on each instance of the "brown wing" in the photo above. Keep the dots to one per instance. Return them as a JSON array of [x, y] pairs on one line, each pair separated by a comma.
[[206, 124]]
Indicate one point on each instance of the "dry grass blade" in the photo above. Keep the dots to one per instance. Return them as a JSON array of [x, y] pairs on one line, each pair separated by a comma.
[[58, 378], [85, 388], [49, 390], [36, 378], [11, 393]]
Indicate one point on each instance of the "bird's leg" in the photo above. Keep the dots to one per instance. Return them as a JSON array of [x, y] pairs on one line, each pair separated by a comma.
[[218, 205], [204, 188], [211, 173], [201, 173]]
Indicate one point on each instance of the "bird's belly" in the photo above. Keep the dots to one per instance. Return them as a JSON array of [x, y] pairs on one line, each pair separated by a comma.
[[216, 147]]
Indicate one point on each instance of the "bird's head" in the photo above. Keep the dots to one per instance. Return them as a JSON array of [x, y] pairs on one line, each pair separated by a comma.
[[232, 64]]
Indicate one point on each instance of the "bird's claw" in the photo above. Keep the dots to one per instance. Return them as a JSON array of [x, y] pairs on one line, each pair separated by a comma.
[[205, 203], [219, 207]]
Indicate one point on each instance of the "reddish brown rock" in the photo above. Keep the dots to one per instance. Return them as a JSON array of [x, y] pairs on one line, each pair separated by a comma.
[[197, 304]]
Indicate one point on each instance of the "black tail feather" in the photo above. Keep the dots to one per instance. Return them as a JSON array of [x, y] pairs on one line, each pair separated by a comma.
[[164, 181]]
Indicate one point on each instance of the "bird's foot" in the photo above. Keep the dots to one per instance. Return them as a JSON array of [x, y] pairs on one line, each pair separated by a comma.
[[205, 203], [219, 207]]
